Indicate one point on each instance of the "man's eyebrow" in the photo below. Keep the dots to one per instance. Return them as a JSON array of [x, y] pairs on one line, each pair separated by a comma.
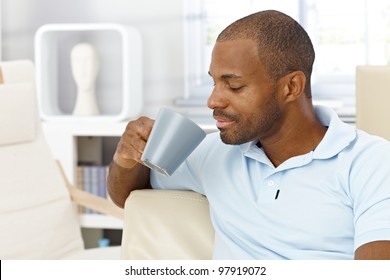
[[228, 76]]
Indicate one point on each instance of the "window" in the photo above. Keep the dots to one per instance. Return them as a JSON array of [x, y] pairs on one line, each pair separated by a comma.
[[345, 34]]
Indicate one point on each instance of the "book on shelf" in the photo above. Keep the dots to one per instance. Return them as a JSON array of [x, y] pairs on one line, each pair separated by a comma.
[[80, 185], [93, 179]]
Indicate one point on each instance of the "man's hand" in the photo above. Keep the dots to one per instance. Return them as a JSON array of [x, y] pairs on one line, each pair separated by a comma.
[[126, 173], [132, 143]]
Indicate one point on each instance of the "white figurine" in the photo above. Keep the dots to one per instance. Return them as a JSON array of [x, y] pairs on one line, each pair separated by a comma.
[[85, 67]]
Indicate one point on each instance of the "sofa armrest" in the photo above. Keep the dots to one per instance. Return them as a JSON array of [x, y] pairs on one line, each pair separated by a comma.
[[167, 224]]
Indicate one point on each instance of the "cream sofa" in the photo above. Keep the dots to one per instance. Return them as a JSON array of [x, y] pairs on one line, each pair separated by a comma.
[[373, 99]]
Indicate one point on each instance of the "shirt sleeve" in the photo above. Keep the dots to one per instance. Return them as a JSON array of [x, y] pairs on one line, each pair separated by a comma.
[[371, 195]]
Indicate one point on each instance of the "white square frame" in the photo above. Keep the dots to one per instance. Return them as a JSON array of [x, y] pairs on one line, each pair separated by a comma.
[[131, 95]]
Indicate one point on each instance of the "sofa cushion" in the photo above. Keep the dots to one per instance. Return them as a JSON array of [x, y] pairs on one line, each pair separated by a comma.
[[18, 113]]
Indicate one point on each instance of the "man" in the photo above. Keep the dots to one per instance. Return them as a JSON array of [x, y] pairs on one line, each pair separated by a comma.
[[284, 180]]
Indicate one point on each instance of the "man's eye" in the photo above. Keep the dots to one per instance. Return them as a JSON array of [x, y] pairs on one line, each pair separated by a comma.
[[236, 88]]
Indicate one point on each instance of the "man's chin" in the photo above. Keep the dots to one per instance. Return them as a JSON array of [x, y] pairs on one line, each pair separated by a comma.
[[226, 139], [231, 138]]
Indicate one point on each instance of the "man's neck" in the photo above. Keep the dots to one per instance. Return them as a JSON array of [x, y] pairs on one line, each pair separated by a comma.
[[297, 137]]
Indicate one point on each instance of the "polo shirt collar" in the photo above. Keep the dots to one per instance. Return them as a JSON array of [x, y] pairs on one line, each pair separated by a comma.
[[338, 136]]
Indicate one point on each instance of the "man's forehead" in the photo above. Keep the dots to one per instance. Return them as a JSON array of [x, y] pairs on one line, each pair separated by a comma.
[[235, 52]]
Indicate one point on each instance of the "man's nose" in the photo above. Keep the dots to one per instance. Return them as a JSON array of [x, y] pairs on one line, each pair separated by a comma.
[[216, 99]]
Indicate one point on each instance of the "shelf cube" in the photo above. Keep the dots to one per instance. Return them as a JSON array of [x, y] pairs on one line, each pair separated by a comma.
[[119, 81]]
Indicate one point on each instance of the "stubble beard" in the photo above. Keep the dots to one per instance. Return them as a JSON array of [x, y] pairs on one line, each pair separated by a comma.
[[256, 125]]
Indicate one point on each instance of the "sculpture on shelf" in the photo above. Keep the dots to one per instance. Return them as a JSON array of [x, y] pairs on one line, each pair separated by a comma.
[[85, 67]]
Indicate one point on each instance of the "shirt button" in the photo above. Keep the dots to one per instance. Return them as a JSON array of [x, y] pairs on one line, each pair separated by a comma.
[[270, 183]]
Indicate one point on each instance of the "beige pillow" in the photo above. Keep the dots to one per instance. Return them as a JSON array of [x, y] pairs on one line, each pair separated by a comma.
[[18, 113]]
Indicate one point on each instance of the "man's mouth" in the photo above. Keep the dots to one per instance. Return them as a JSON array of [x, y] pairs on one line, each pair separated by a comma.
[[223, 120], [223, 123]]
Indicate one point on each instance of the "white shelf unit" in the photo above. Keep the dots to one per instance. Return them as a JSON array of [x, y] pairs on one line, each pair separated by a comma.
[[63, 139], [100, 221]]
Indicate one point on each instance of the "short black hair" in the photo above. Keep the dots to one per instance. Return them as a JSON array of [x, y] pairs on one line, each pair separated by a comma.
[[283, 44]]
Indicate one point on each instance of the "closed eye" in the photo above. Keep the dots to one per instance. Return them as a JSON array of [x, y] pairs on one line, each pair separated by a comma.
[[236, 89]]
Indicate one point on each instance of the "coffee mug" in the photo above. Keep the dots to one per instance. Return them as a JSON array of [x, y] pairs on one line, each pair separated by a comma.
[[171, 141]]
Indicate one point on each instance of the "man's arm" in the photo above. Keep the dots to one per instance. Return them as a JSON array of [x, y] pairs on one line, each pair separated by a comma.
[[377, 250], [126, 172]]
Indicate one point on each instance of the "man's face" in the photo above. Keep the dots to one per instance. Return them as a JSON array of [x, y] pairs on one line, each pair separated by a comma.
[[244, 98]]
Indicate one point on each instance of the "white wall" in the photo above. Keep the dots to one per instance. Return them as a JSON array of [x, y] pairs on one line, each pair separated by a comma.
[[160, 24]]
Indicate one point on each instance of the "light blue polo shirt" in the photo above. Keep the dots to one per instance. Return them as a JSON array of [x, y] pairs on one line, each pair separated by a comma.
[[320, 205]]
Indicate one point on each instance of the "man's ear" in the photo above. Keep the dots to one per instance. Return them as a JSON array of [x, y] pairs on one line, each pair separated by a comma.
[[293, 85]]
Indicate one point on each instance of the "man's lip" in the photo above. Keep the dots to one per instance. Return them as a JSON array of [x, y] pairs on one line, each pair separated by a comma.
[[221, 123]]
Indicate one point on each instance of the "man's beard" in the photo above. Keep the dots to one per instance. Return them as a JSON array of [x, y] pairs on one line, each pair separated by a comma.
[[240, 132]]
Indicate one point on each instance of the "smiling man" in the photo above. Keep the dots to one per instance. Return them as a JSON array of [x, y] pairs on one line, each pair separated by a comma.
[[284, 179]]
